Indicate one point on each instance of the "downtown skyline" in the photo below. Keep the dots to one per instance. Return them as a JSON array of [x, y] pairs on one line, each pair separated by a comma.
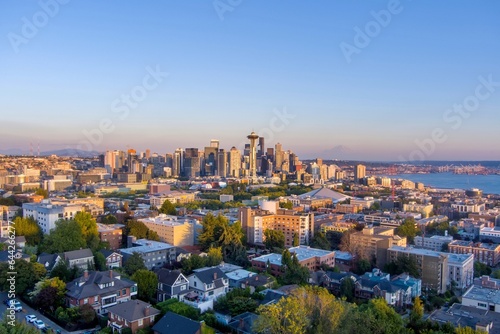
[[426, 81]]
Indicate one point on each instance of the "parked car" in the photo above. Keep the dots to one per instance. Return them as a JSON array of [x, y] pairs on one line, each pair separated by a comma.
[[31, 318], [14, 304], [39, 324]]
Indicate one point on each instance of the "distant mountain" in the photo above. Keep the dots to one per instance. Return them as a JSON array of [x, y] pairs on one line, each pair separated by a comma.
[[62, 153]]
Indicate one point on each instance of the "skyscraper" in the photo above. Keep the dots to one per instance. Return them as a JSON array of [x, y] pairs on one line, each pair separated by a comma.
[[253, 153], [177, 162], [359, 173], [222, 163], [278, 156], [261, 151], [234, 162]]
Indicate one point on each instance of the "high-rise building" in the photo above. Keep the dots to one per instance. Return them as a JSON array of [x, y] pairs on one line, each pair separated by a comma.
[[253, 153], [191, 166], [261, 151], [177, 161], [222, 163], [214, 143], [359, 173], [278, 156], [148, 153], [234, 162], [210, 157]]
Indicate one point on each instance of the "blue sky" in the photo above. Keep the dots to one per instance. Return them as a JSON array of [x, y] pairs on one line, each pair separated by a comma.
[[233, 65]]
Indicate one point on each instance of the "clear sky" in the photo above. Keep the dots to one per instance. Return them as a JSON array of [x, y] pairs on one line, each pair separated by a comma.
[[359, 79]]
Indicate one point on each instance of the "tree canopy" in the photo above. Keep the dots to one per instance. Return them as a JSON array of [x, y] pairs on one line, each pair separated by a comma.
[[134, 263], [147, 282], [66, 236], [29, 228], [274, 239]]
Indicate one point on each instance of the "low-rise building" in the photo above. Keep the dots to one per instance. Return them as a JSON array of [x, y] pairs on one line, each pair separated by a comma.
[[154, 253], [111, 233], [435, 243], [100, 289], [171, 284], [312, 258], [134, 314], [82, 258], [209, 283], [113, 259], [171, 229]]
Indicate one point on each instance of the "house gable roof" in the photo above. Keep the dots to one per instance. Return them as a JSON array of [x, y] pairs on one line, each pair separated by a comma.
[[174, 323], [133, 310]]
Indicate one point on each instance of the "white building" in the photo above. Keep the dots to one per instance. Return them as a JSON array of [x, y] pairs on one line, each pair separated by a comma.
[[434, 243], [461, 269], [47, 214], [469, 207]]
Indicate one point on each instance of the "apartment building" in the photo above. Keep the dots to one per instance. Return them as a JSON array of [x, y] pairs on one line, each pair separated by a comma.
[[312, 258], [255, 222], [461, 269], [375, 241], [435, 243], [172, 196], [488, 254], [432, 266], [47, 214], [111, 233], [171, 229], [155, 254]]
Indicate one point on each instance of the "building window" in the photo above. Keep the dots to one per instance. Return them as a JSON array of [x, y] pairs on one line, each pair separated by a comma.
[[86, 301], [183, 287], [140, 322], [124, 292]]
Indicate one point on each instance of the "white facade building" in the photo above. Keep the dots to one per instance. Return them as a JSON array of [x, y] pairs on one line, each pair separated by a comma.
[[47, 214]]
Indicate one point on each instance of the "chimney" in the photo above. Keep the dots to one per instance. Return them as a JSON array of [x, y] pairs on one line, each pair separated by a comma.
[[215, 276], [146, 311], [86, 275], [111, 273], [241, 325]]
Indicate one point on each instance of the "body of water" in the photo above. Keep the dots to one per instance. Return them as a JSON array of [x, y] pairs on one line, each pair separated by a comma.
[[489, 184]]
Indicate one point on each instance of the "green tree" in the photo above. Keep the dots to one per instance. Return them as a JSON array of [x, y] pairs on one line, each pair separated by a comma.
[[62, 271], [140, 231], [347, 289], [416, 315], [173, 305], [193, 262], [320, 241], [214, 256], [307, 310], [147, 281], [407, 229], [109, 219], [99, 261], [481, 269], [66, 236], [295, 241], [42, 192], [294, 273], [14, 326], [274, 239], [134, 263], [168, 208], [27, 274], [29, 228], [286, 205], [88, 226]]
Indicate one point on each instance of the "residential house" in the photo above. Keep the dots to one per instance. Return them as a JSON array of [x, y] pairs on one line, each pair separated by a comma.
[[243, 323], [100, 289], [134, 314], [49, 261], [113, 259], [209, 283], [82, 258], [172, 323], [171, 284]]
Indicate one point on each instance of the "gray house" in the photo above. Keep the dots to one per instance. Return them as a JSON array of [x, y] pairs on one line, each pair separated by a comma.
[[82, 258], [171, 284]]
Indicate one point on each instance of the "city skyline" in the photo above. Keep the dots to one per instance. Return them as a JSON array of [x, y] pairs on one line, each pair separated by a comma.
[[298, 74]]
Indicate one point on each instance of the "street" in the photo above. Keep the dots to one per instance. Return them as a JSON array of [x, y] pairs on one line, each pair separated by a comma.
[[20, 316]]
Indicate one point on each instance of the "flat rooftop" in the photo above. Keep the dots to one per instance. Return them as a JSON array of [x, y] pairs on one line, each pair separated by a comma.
[[483, 294], [146, 246], [417, 251], [302, 252]]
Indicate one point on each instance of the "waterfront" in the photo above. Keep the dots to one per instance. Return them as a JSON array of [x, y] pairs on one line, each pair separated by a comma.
[[489, 184]]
